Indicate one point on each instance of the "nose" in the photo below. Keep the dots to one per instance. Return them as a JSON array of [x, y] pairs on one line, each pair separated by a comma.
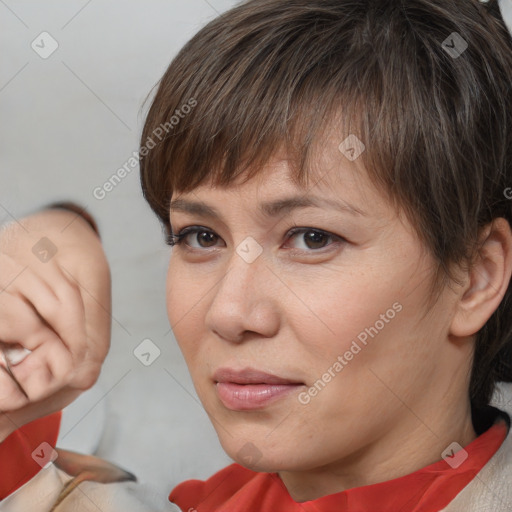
[[246, 300]]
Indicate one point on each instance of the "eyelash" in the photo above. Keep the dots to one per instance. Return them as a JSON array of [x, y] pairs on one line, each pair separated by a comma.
[[177, 239]]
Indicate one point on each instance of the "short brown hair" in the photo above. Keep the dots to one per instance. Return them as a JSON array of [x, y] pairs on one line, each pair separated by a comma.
[[434, 114]]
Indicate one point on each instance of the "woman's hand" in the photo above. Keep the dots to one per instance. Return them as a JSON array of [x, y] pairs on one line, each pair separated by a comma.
[[55, 314]]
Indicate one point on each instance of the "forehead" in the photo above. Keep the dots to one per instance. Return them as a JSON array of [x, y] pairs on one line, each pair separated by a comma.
[[333, 182]]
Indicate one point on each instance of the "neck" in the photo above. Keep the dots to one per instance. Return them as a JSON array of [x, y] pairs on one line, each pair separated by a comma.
[[412, 445]]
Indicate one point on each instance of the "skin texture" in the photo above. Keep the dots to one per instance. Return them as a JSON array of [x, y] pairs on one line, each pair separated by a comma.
[[401, 400], [58, 309]]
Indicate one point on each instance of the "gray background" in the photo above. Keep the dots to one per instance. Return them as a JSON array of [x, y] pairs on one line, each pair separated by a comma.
[[68, 123]]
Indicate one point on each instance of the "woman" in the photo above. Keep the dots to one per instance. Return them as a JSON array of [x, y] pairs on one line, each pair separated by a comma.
[[333, 179]]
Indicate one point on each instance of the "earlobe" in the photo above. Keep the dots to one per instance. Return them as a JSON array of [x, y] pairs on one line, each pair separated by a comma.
[[487, 280]]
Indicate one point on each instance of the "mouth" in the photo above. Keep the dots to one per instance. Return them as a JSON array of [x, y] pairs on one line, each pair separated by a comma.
[[247, 389]]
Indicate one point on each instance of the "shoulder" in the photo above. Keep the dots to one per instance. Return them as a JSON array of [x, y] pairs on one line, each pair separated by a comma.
[[491, 489]]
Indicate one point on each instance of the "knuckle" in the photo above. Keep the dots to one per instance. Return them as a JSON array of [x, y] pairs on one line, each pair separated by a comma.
[[86, 379], [69, 294]]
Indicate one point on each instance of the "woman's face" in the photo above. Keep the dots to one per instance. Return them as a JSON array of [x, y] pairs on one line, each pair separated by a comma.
[[333, 313]]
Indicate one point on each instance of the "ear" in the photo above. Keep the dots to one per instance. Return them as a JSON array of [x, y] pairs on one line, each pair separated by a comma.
[[487, 281]]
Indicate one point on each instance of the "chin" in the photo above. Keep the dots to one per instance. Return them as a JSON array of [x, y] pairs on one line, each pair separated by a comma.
[[257, 458], [264, 465]]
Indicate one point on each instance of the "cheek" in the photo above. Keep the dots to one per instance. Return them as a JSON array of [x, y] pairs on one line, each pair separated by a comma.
[[376, 342], [366, 323], [338, 313], [183, 309]]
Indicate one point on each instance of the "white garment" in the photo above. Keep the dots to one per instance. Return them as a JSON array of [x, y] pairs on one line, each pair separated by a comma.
[[491, 489], [42, 491]]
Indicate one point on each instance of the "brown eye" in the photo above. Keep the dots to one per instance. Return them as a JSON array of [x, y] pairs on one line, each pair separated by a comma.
[[202, 236], [206, 238], [313, 239]]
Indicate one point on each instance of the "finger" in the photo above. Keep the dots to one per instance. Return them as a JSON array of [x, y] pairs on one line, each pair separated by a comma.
[[59, 305], [48, 368], [11, 395], [20, 324], [18, 320], [50, 364], [96, 299], [7, 365]]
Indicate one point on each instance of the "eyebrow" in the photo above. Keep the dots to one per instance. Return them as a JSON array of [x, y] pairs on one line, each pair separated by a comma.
[[271, 208]]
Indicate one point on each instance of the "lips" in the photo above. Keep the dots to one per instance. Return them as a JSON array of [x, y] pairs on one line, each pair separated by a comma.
[[250, 376], [243, 390]]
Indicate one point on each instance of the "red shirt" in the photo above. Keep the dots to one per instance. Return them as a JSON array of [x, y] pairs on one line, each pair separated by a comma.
[[17, 464], [237, 489]]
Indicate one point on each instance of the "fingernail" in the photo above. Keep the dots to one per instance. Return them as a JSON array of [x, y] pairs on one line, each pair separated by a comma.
[[15, 355]]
